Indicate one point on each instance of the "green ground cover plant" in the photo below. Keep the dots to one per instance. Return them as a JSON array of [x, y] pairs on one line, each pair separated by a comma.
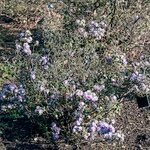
[[70, 67]]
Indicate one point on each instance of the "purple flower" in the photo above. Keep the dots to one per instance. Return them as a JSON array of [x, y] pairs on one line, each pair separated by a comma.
[[18, 46], [55, 136], [83, 32], [9, 87], [21, 90], [108, 136], [113, 98], [99, 87], [111, 128], [79, 121], [46, 67], [96, 30], [2, 95], [26, 48], [79, 93], [77, 129], [29, 39], [55, 131], [20, 98], [125, 62], [39, 110], [109, 59], [134, 76], [32, 75], [94, 123], [17, 93], [88, 95], [22, 34], [93, 129], [81, 105], [10, 106], [44, 60], [105, 128], [144, 87]]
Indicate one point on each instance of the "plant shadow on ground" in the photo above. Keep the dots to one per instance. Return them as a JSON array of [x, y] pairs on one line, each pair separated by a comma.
[[20, 134], [19, 129]]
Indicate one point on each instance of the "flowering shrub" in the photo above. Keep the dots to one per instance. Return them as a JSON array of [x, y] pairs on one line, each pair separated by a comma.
[[25, 40], [71, 85], [13, 95]]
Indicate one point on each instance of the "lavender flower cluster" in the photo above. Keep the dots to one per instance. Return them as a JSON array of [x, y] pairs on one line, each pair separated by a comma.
[[87, 95], [39, 110], [45, 62], [55, 131], [97, 30], [92, 130], [41, 86], [24, 45], [94, 29], [108, 131], [105, 129], [118, 58], [139, 76], [95, 128], [79, 118], [24, 42], [90, 96], [12, 94]]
